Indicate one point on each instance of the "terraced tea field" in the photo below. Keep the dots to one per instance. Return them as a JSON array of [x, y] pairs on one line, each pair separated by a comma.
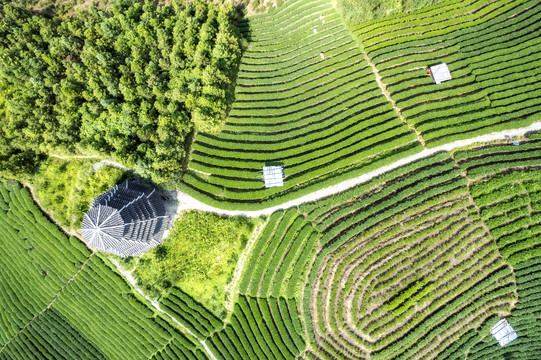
[[406, 267], [492, 49], [60, 301], [505, 186], [308, 99], [413, 264], [321, 118], [418, 262]]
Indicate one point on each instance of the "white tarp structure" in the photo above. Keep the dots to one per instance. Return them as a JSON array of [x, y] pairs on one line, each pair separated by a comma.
[[273, 176], [440, 73], [503, 332]]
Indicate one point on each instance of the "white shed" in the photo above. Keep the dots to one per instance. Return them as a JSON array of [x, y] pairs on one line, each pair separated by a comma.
[[503, 332], [273, 176], [440, 73]]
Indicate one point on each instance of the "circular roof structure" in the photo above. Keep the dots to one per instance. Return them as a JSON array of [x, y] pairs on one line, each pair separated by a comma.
[[127, 220]]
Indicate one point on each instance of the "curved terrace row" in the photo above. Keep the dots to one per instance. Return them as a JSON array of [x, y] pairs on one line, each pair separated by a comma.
[[316, 111], [320, 113], [492, 51]]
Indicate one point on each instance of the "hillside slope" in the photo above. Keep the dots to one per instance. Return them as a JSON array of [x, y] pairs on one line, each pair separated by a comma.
[[307, 97]]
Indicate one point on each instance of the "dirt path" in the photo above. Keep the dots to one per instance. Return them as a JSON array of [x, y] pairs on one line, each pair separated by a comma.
[[104, 163], [96, 166], [383, 88], [128, 276], [189, 203], [73, 157]]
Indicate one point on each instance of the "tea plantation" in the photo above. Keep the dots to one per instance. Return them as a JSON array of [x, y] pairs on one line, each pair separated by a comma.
[[415, 262], [60, 301], [323, 119], [307, 96]]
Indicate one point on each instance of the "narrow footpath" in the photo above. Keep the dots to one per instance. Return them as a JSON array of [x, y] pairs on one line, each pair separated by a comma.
[[129, 277], [385, 93]]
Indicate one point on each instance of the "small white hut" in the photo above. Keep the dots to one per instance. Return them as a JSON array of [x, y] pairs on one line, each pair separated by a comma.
[[503, 332], [440, 73], [273, 176]]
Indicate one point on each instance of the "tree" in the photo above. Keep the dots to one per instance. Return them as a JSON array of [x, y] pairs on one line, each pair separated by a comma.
[[129, 82]]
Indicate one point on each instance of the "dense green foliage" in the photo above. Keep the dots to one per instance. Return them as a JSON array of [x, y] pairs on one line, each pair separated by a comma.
[[259, 328], [67, 189], [510, 204], [60, 301], [199, 256], [129, 82]]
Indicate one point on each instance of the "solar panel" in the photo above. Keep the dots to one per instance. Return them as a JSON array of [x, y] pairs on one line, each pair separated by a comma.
[[126, 220]]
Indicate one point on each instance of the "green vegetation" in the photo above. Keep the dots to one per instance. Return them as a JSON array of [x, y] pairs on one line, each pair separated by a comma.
[[279, 259], [61, 301], [492, 51], [199, 256], [412, 295], [505, 186], [68, 188], [357, 11], [405, 266], [194, 316], [324, 120], [260, 329], [131, 82], [34, 250], [417, 263], [404, 259]]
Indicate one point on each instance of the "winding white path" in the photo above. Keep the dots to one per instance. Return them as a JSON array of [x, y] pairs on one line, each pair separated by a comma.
[[128, 276], [189, 203], [104, 163]]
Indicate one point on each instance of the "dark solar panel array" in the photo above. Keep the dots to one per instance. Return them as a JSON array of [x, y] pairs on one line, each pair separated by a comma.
[[127, 220]]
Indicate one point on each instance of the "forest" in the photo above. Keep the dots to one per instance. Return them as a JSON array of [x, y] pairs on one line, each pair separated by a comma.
[[132, 82]]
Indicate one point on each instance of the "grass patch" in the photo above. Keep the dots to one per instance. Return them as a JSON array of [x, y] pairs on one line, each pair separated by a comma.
[[67, 188], [357, 11], [199, 256]]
